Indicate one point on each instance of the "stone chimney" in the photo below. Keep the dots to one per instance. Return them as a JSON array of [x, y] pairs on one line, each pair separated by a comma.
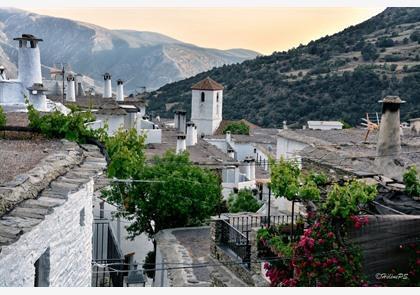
[[180, 143], [80, 91], [107, 86], [120, 90], [29, 60], [180, 120], [388, 147], [191, 134], [71, 89]]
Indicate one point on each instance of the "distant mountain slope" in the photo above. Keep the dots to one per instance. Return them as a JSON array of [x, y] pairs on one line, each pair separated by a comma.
[[143, 58], [336, 77]]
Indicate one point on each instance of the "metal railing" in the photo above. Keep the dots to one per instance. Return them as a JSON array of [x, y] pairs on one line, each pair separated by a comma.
[[245, 223], [237, 242]]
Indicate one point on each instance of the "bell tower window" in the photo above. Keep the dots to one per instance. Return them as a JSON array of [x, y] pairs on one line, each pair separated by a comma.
[[203, 97]]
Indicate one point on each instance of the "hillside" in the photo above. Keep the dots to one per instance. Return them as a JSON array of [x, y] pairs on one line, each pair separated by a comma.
[[336, 77], [141, 58]]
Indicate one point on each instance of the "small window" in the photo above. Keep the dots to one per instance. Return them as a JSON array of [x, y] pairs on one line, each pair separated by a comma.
[[82, 217], [42, 270], [203, 96], [217, 97]]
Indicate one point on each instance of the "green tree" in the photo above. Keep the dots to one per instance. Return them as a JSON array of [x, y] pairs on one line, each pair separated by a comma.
[[2, 117], [288, 181], [237, 128], [172, 192], [369, 52], [243, 201]]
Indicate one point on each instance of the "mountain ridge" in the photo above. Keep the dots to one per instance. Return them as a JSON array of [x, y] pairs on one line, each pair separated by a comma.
[[93, 50], [337, 77]]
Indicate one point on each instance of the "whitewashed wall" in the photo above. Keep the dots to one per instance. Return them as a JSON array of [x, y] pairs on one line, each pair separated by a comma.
[[70, 246], [29, 63], [287, 148], [12, 92], [206, 115], [243, 150], [114, 122]]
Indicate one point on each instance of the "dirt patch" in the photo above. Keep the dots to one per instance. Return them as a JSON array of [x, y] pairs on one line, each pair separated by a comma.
[[20, 156]]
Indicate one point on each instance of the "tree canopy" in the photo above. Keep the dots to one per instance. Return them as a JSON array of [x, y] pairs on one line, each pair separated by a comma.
[[168, 192], [243, 201]]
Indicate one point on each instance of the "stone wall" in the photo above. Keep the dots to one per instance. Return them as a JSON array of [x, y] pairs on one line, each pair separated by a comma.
[[57, 221], [251, 277], [70, 246]]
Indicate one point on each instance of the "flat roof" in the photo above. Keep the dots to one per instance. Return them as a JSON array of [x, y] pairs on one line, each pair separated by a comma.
[[20, 156]]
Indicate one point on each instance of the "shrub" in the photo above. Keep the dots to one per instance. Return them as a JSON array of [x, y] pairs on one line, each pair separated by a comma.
[[385, 42], [343, 201], [412, 182], [243, 201], [58, 125], [415, 36]]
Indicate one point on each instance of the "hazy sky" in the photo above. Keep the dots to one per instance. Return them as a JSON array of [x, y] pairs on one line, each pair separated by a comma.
[[264, 29]]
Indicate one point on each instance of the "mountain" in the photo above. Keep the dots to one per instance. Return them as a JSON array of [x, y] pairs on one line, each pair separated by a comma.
[[338, 77], [141, 58]]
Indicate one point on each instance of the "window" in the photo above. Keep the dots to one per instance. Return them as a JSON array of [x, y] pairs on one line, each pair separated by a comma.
[[217, 97], [82, 217], [42, 270], [203, 96]]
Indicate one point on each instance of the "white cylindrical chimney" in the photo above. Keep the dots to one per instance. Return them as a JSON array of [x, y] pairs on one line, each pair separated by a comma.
[[37, 97], [228, 136], [71, 89], [191, 134], [120, 90], [247, 165], [180, 143], [236, 174], [285, 125], [231, 153], [195, 135], [252, 168], [29, 60], [107, 86], [2, 74]]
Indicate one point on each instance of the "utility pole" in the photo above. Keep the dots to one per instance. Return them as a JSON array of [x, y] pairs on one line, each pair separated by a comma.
[[62, 73], [269, 205]]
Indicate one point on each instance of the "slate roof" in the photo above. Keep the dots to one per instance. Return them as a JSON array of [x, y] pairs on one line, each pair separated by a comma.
[[26, 201], [203, 153], [207, 84]]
